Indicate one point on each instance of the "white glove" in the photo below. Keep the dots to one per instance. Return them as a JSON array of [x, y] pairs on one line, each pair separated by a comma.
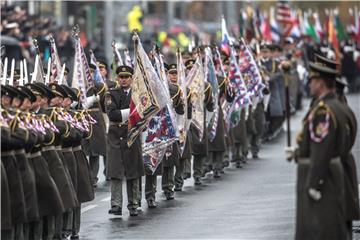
[[90, 101], [125, 114], [314, 194], [74, 103], [290, 153]]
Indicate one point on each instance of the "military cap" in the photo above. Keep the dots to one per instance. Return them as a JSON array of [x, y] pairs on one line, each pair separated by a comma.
[[8, 91], [58, 90], [326, 62], [102, 63], [189, 63], [27, 93], [172, 67], [124, 70], [36, 89], [70, 92], [332, 65], [320, 70], [49, 94]]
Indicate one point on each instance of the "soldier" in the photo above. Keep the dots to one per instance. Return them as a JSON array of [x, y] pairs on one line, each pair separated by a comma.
[[72, 150], [349, 164], [95, 145], [322, 145], [123, 161], [57, 165], [200, 148], [176, 95], [217, 146], [172, 155], [49, 198], [275, 107], [10, 141]]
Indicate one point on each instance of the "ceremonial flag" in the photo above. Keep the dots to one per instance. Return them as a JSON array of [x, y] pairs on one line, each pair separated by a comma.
[[195, 82], [309, 28], [225, 42], [161, 131], [182, 120], [211, 78], [274, 27], [283, 12], [295, 31], [55, 61], [241, 95], [86, 69], [79, 79], [333, 40], [147, 94], [266, 29], [38, 74], [318, 28], [97, 75], [340, 30]]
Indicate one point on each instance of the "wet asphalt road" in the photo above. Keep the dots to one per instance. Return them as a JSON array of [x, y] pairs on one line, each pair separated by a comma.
[[255, 202]]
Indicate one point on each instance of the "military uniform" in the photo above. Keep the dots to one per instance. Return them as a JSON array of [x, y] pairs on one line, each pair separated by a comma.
[[200, 148], [172, 155], [123, 161], [217, 147], [95, 144], [323, 144]]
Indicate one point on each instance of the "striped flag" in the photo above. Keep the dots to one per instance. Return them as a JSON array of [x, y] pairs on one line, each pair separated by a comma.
[[226, 41], [79, 78], [283, 12], [55, 62]]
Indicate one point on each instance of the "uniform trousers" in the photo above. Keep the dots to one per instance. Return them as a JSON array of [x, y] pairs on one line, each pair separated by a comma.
[[132, 189], [167, 180], [179, 171], [216, 159], [150, 187], [198, 166]]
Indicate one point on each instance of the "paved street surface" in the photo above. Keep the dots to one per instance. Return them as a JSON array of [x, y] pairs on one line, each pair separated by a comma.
[[255, 202]]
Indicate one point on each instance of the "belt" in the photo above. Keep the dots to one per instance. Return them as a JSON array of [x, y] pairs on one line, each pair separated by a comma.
[[34, 155], [48, 148], [77, 148], [307, 160], [58, 148], [20, 151], [7, 153], [67, 149]]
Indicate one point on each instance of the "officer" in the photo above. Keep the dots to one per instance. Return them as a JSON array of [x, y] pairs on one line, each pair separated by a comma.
[[322, 145], [123, 161], [349, 164], [95, 145]]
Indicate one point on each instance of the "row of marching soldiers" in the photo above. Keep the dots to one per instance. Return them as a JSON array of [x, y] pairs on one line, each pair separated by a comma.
[[46, 137], [45, 175]]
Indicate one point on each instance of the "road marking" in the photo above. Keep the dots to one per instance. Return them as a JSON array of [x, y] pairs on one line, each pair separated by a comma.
[[87, 208], [105, 199]]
